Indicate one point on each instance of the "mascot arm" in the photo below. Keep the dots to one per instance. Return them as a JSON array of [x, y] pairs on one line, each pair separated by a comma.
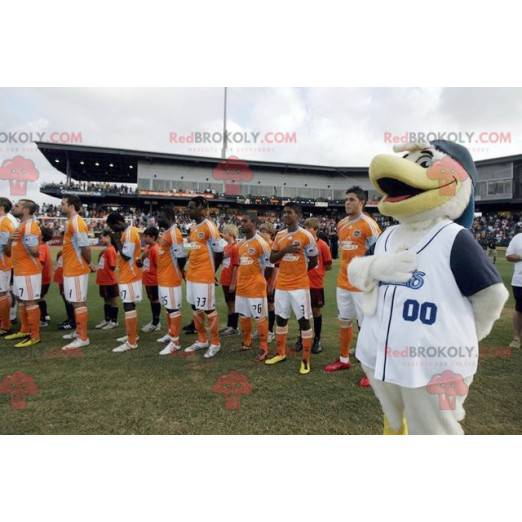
[[478, 280]]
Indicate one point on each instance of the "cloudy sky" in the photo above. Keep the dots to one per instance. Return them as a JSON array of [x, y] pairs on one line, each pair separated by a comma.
[[341, 127]]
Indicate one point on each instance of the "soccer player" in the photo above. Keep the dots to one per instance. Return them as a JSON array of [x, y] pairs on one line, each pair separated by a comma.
[[206, 254], [296, 250], [251, 302], [76, 254], [316, 276], [107, 283], [8, 224], [171, 262], [149, 263], [126, 239], [47, 270], [357, 233], [267, 232], [69, 323], [22, 246], [228, 277]]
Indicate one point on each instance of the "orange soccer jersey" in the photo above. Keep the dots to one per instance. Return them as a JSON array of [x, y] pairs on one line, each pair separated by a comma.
[[170, 250], [8, 225], [254, 254], [75, 237], [355, 237], [204, 242], [25, 264], [128, 271], [293, 268]]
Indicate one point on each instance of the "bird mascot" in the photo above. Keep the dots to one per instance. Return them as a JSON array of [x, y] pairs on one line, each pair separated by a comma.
[[430, 293]]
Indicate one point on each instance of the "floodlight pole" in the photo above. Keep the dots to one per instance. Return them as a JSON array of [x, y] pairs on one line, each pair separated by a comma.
[[224, 150]]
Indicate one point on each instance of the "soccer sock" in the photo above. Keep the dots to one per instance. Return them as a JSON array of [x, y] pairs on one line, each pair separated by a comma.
[[262, 331], [69, 308], [345, 339], [213, 326], [81, 316], [233, 319], [271, 320], [14, 308], [199, 324], [24, 322], [107, 312], [307, 337], [5, 305], [318, 326], [281, 335], [131, 325], [33, 320], [156, 311], [174, 322], [43, 309], [246, 330]]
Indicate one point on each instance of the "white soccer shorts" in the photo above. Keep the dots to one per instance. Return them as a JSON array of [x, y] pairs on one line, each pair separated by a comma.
[[254, 307], [170, 297], [5, 280], [296, 300], [28, 288], [201, 295], [349, 305], [131, 292], [75, 288]]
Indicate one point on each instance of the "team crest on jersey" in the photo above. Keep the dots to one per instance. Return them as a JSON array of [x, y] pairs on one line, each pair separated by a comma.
[[201, 235], [415, 282], [357, 233], [251, 251]]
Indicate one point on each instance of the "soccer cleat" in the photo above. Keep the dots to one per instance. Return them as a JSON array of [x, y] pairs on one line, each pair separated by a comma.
[[337, 365], [165, 339], [100, 325], [316, 347], [245, 348], [298, 345], [260, 357], [515, 343], [276, 359], [16, 335], [66, 325], [4, 332], [27, 343], [305, 367], [43, 324], [110, 326], [170, 348], [228, 331], [364, 382], [150, 327], [194, 347], [77, 343], [125, 347], [213, 349], [71, 335], [125, 338]]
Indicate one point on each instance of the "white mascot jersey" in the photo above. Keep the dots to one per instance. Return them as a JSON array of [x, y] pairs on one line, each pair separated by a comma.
[[425, 326]]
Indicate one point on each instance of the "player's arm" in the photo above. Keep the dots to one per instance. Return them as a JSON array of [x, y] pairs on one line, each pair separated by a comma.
[[276, 255], [217, 246], [120, 247], [312, 253], [32, 244], [5, 243], [179, 252], [327, 257], [511, 256]]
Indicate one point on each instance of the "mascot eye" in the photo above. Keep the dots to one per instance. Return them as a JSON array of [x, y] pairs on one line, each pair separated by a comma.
[[425, 160]]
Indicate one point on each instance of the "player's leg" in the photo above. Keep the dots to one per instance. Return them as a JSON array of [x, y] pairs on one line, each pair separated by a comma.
[[283, 308], [21, 293], [106, 307], [155, 307], [271, 316], [302, 308], [170, 298], [42, 303], [242, 307], [5, 302], [317, 297], [232, 318], [517, 317], [261, 313], [75, 289], [130, 294], [213, 322], [32, 288], [196, 299]]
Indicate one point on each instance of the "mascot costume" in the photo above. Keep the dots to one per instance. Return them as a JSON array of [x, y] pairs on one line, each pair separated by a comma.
[[430, 293]]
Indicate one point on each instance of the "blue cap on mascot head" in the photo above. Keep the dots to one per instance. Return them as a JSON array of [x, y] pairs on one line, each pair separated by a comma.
[[462, 156]]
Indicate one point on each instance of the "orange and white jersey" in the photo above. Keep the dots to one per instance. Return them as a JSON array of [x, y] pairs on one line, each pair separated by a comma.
[[75, 238], [128, 271], [204, 242], [254, 255], [293, 268], [8, 224], [170, 250], [355, 238], [24, 263]]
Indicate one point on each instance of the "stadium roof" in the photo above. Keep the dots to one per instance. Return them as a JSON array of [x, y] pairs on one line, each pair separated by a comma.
[[89, 163]]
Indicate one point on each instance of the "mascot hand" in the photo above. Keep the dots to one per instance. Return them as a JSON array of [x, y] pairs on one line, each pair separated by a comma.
[[394, 268]]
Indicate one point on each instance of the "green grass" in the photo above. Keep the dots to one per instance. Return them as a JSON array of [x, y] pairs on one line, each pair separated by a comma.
[[143, 393]]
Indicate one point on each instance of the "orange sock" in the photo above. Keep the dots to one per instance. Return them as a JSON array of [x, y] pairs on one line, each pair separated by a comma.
[[345, 339], [174, 322], [22, 314], [131, 325], [262, 331], [213, 326], [199, 325], [5, 308], [307, 336], [33, 319], [81, 317], [245, 324], [281, 335]]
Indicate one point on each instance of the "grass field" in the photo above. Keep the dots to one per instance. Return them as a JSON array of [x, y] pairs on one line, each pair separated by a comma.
[[99, 392]]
